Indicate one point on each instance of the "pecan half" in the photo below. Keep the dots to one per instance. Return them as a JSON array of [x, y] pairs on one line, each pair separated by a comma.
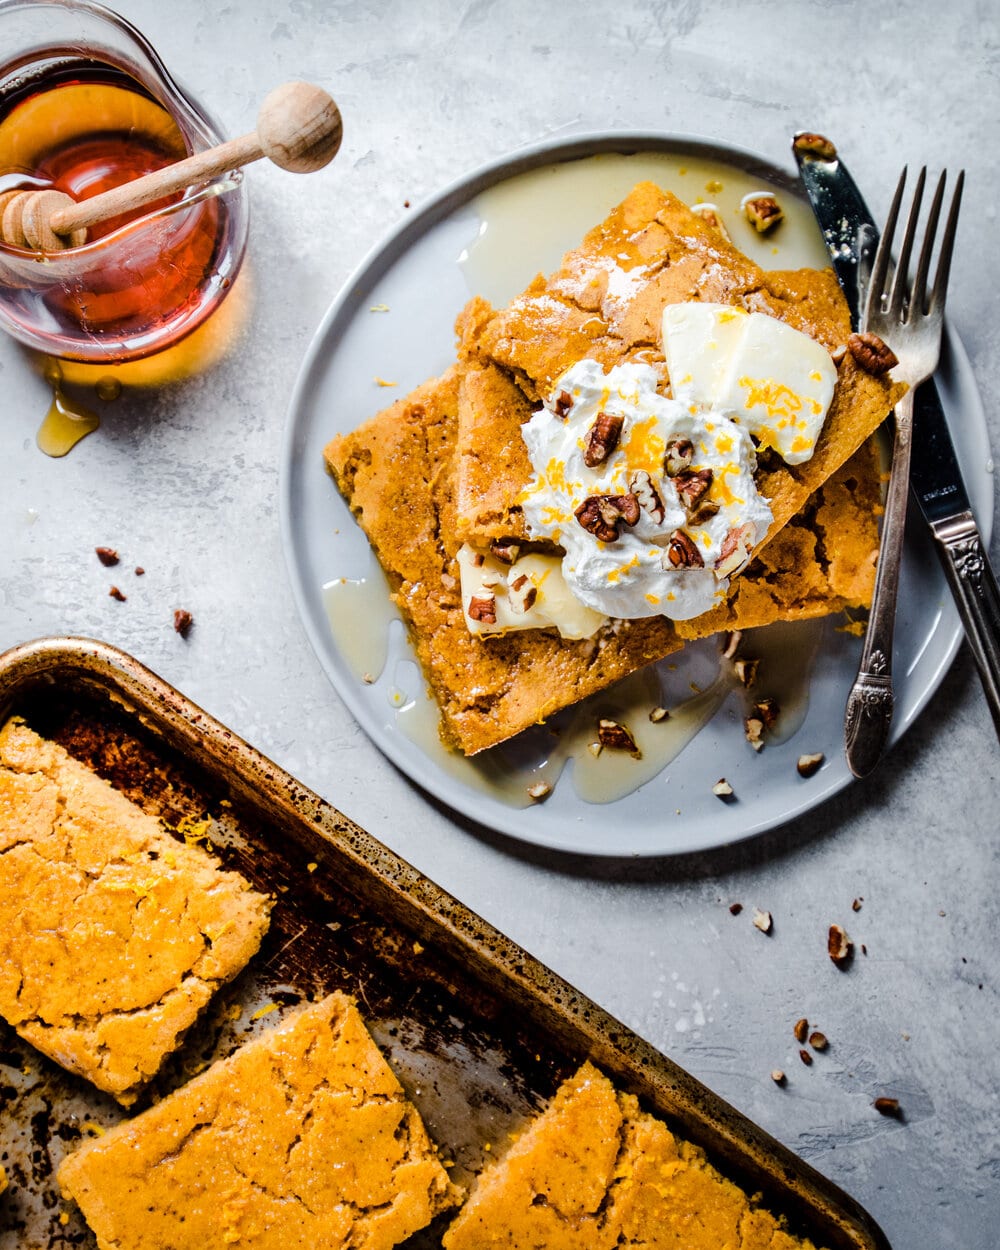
[[814, 145], [677, 456], [873, 354], [602, 438], [650, 501], [682, 552], [763, 212], [564, 402], [483, 608], [522, 594], [614, 735], [692, 485], [601, 515]]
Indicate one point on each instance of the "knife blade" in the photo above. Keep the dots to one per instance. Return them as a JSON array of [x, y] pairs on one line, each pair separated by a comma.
[[935, 477]]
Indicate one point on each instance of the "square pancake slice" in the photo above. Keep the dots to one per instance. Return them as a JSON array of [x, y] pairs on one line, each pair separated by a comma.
[[303, 1137], [595, 1172], [605, 302], [113, 934], [397, 473]]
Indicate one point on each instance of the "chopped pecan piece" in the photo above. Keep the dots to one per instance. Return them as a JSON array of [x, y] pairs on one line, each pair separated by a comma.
[[692, 485], [839, 946], [709, 213], [735, 908], [658, 714], [818, 1040], [753, 730], [887, 1106], [677, 456], [704, 512], [614, 735], [522, 594], [483, 608], [601, 515], [564, 402], [763, 212], [809, 765], [762, 920], [505, 550], [107, 556], [682, 552], [746, 671], [814, 145], [540, 790], [641, 485], [806, 1058], [873, 354], [602, 438], [734, 555], [722, 789], [778, 1077], [801, 1029], [730, 643], [183, 620], [115, 593], [766, 710]]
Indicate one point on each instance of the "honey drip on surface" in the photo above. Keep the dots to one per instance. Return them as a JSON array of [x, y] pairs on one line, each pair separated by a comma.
[[66, 421]]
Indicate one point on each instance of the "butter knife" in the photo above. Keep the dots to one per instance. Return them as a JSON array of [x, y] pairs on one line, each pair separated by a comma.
[[935, 478]]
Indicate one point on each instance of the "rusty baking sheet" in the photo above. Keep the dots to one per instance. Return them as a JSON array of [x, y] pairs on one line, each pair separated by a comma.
[[479, 1033]]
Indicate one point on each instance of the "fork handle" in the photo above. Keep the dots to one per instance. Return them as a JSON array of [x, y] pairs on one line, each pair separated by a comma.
[[974, 586], [870, 703]]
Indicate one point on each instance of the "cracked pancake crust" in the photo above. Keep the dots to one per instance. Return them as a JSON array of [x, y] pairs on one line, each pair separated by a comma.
[[113, 935], [397, 472], [594, 1172], [303, 1137]]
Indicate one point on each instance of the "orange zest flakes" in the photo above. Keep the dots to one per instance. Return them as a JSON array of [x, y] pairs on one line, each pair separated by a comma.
[[653, 599], [778, 399], [645, 448], [801, 444], [382, 382], [264, 1011]]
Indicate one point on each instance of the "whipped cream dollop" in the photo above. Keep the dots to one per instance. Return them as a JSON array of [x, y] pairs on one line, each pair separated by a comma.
[[652, 499]]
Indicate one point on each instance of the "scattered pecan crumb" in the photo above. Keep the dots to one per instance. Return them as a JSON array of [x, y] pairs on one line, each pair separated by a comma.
[[887, 1106], [406, 203], [735, 908], [540, 790], [838, 353], [814, 145], [368, 679], [595, 748], [805, 1056], [801, 1029], [753, 729], [183, 620], [762, 920], [856, 905], [809, 765], [658, 714], [766, 710], [746, 671], [818, 1040], [730, 642], [864, 951], [107, 556], [722, 789], [564, 402], [115, 593], [839, 946], [762, 211], [778, 1077], [616, 737], [873, 354], [140, 571]]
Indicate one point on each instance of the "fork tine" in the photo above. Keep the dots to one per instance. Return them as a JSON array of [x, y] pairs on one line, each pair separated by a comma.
[[901, 279], [947, 243], [918, 297], [880, 266]]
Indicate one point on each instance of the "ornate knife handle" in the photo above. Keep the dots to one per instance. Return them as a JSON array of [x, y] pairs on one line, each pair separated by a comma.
[[967, 568], [870, 704]]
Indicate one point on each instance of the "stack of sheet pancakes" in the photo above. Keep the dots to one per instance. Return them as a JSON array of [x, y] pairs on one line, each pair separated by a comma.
[[446, 465]]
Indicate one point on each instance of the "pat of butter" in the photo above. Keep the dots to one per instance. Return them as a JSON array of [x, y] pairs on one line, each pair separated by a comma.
[[773, 379], [542, 601]]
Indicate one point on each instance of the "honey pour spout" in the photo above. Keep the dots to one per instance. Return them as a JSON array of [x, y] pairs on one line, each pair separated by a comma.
[[298, 128]]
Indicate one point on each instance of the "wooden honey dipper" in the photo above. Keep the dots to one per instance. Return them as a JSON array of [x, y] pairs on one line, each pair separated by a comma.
[[298, 128]]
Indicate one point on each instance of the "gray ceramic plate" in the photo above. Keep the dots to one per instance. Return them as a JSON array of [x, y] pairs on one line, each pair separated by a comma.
[[489, 234]]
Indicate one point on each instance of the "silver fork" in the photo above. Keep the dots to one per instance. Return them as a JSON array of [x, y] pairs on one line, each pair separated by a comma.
[[909, 323]]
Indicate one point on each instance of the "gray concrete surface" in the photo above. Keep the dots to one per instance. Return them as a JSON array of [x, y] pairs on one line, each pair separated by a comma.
[[183, 481]]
